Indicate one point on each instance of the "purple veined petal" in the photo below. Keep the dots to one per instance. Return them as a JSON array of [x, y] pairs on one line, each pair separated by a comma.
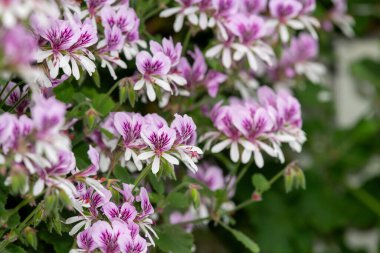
[[123, 123], [61, 34], [13, 96], [114, 38], [185, 129], [143, 58], [94, 156], [213, 81], [88, 36], [64, 165], [103, 236], [285, 9], [127, 192], [85, 241], [266, 96], [159, 139], [111, 210], [253, 6], [108, 16], [48, 120], [127, 212], [19, 46], [155, 120], [160, 64], [129, 244], [146, 206]]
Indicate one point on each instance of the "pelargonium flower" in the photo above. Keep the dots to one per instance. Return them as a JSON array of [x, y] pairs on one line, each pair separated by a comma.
[[18, 46], [13, 94], [255, 127], [68, 43], [185, 140], [285, 13], [129, 126], [211, 176], [198, 74], [253, 6], [160, 141], [298, 59], [186, 9], [153, 70]]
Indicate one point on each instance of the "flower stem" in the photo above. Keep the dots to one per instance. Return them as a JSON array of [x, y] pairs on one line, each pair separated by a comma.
[[367, 199], [142, 175]]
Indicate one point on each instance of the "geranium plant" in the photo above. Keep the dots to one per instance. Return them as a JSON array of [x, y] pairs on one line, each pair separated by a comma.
[[126, 124]]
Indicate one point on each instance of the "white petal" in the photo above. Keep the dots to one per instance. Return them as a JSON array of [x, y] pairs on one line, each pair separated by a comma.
[[252, 61], [227, 61], [77, 227], [136, 161], [215, 50], [169, 12], [179, 80], [146, 155], [178, 23], [128, 154], [193, 19], [74, 219], [38, 187], [220, 146], [284, 34], [150, 92], [203, 20], [258, 158], [139, 84], [156, 165], [234, 152], [163, 84], [171, 159], [246, 156], [295, 24], [75, 69]]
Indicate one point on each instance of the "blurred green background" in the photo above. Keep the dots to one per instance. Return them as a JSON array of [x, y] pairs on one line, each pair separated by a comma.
[[340, 209]]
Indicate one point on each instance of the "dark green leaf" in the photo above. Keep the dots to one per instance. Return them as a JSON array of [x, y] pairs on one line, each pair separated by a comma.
[[174, 239]]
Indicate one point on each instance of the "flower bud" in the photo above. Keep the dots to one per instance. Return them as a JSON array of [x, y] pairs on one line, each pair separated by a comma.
[[31, 237]]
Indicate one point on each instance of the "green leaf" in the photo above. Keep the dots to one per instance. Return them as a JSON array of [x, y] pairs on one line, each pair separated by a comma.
[[178, 200], [158, 185], [245, 240], [64, 92], [131, 95], [260, 183], [174, 239], [103, 104], [61, 243], [13, 221], [96, 78], [14, 249], [122, 174]]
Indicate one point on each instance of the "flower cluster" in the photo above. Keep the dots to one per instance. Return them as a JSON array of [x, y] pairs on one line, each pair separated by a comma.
[[242, 25], [158, 71], [112, 227], [37, 146], [298, 59], [149, 138], [198, 74], [249, 127], [212, 177]]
